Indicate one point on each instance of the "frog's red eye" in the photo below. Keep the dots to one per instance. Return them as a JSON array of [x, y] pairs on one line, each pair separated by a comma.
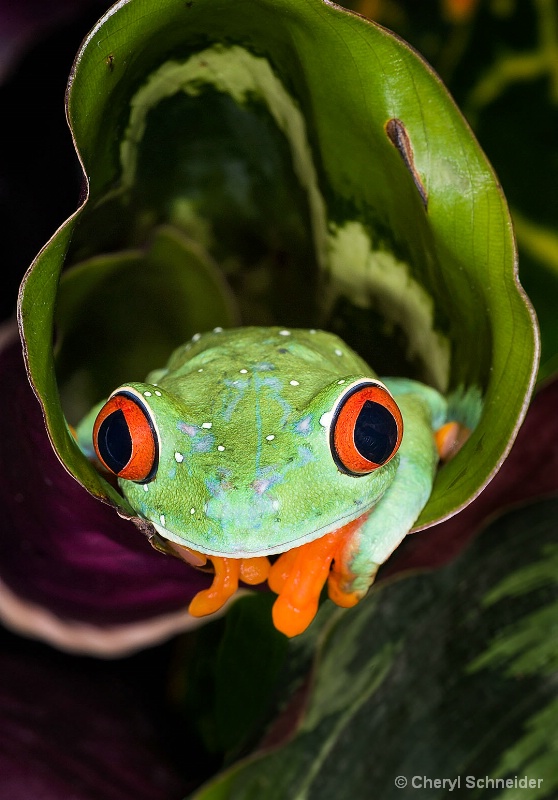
[[125, 438], [366, 428]]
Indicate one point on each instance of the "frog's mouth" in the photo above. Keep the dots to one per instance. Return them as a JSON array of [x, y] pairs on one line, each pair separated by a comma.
[[241, 551]]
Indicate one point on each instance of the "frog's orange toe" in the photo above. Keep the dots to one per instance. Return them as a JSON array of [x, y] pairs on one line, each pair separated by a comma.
[[338, 594], [450, 438], [292, 619], [281, 569], [298, 576], [254, 570], [225, 584], [204, 603]]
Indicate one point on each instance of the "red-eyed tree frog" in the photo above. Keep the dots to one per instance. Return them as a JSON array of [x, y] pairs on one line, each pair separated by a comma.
[[258, 442]]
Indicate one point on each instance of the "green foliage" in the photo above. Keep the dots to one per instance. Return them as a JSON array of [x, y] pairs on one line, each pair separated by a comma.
[[321, 164], [450, 674], [227, 684], [283, 161], [499, 59], [119, 314]]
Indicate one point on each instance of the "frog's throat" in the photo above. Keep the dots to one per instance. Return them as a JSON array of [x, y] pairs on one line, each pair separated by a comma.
[[265, 551]]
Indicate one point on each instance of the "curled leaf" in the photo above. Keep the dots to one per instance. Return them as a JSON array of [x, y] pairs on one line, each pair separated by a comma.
[[325, 169]]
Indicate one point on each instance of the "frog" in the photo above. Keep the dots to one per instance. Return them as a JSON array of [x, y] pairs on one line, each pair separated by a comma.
[[273, 454]]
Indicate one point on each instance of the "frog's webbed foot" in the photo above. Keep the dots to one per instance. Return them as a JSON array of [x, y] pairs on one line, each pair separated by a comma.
[[228, 572], [298, 577]]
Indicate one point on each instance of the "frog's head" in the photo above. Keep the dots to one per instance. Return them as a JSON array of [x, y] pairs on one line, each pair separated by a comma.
[[256, 467]]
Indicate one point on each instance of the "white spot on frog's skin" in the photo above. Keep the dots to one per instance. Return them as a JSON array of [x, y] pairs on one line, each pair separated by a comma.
[[207, 424], [326, 418], [145, 487], [179, 458], [275, 504], [200, 370], [218, 330], [192, 511], [338, 352], [284, 333], [147, 394], [196, 337], [220, 447], [340, 382], [270, 438], [294, 383], [244, 371], [163, 521], [312, 330], [158, 394]]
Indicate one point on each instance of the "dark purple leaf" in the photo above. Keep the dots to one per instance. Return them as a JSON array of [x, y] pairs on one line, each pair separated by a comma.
[[76, 729], [66, 552]]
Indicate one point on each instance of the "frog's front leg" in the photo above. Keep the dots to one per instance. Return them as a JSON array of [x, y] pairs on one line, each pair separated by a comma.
[[299, 575], [356, 565]]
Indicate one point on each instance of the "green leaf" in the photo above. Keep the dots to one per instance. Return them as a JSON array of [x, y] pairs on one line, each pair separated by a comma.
[[119, 315], [445, 675], [226, 683], [246, 675], [499, 59], [323, 166]]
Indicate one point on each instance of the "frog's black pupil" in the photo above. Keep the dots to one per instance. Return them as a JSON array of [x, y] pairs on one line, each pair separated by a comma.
[[375, 432], [114, 441]]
